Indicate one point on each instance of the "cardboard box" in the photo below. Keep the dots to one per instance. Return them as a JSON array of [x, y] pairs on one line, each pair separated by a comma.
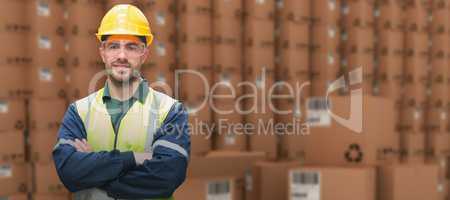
[[298, 11], [265, 142], [417, 42], [154, 5], [46, 50], [210, 188], [13, 178], [294, 36], [413, 117], [230, 141], [15, 54], [440, 50], [412, 145], [160, 80], [269, 180], [436, 116], [325, 11], [83, 17], [390, 15], [16, 197], [256, 59], [194, 24], [41, 118], [42, 144], [226, 82], [84, 81], [416, 70], [223, 163], [296, 61], [11, 81], [163, 55], [359, 40], [395, 182], [227, 9], [259, 33], [440, 17], [260, 9], [47, 82], [202, 7], [325, 37], [51, 197], [47, 180], [227, 32], [12, 115], [437, 144], [227, 58], [415, 94], [12, 12], [194, 56], [357, 139], [326, 183], [165, 25], [194, 83], [416, 16], [46, 15], [391, 42], [12, 147], [200, 123], [359, 13]]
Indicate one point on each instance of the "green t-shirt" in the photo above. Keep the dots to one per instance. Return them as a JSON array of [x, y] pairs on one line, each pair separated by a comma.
[[117, 109]]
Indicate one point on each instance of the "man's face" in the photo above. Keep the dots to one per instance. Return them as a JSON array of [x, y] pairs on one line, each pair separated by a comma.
[[123, 57]]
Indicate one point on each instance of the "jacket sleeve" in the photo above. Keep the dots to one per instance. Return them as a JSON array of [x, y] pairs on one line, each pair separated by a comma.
[[166, 171], [78, 170]]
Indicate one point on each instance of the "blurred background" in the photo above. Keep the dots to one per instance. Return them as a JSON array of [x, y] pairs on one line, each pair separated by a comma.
[[392, 53]]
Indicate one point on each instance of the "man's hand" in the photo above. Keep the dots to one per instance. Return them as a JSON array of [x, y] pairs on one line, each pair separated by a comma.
[[141, 157], [82, 146]]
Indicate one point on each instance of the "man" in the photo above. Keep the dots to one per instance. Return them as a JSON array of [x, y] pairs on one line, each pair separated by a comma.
[[124, 141]]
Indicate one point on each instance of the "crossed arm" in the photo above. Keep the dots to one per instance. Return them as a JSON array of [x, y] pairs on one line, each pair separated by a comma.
[[124, 174]]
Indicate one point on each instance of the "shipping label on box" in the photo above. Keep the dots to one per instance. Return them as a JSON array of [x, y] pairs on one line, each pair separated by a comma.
[[219, 190], [4, 107], [5, 171], [304, 185], [317, 112]]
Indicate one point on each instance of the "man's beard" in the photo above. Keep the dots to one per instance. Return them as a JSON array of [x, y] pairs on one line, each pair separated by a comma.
[[135, 75]]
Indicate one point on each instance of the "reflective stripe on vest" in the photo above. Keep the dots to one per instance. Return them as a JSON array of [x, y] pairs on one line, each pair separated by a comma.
[[135, 133]]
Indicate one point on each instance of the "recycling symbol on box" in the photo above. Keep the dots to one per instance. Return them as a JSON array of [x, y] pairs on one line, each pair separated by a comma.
[[354, 153]]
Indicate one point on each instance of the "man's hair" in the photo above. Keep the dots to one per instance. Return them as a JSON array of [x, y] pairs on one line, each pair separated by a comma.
[[142, 38]]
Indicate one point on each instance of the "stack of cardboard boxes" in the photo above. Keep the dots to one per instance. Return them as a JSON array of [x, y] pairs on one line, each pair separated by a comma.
[[194, 69], [364, 84], [227, 31], [259, 71], [14, 170], [84, 64], [46, 76], [159, 70]]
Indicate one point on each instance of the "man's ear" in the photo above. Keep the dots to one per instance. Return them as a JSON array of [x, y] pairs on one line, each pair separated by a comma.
[[146, 54], [102, 53]]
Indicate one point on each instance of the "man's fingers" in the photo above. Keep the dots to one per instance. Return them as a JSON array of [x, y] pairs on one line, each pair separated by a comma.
[[81, 145], [88, 147], [78, 146]]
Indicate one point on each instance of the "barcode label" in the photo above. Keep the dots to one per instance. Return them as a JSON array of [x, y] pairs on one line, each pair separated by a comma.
[[44, 42], [161, 18], [304, 185], [161, 49], [5, 171], [219, 190], [4, 107], [43, 9], [317, 112], [332, 4], [230, 139], [45, 74]]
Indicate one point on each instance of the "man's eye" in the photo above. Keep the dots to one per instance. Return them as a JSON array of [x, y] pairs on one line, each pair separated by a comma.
[[113, 46], [133, 47]]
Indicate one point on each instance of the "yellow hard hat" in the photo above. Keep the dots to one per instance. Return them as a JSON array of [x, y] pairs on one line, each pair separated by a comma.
[[125, 19]]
